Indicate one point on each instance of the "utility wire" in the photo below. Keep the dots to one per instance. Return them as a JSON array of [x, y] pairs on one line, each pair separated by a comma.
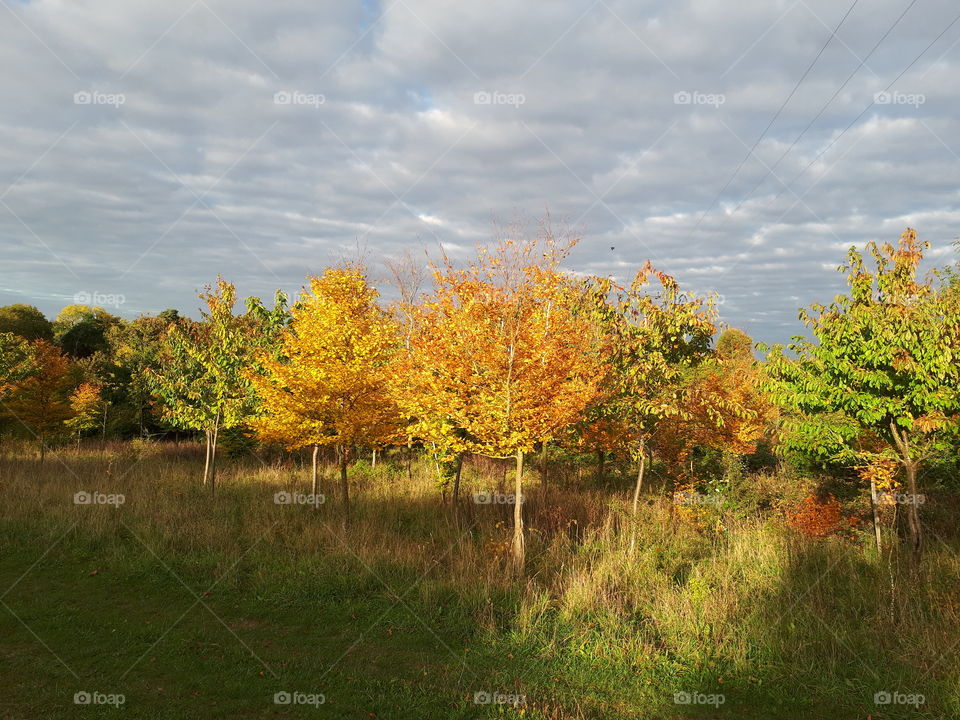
[[774, 118]]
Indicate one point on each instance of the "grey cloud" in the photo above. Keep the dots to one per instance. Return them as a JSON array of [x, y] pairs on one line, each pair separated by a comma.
[[400, 154]]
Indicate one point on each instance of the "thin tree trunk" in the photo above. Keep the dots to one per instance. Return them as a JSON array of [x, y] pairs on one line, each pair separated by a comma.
[[543, 463], [913, 515], [206, 463], [409, 461], [373, 458], [456, 478], [344, 485], [636, 503], [43, 450], [213, 456], [876, 514], [315, 476], [519, 550]]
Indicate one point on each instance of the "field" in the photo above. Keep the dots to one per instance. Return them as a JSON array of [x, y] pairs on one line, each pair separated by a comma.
[[192, 607]]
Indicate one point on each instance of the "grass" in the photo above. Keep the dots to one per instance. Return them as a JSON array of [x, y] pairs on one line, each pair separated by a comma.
[[198, 608]]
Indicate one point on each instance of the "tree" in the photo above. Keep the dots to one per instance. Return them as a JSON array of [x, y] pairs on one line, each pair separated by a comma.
[[40, 400], [87, 409], [884, 359], [136, 348], [655, 336], [81, 330], [724, 405], [326, 385], [26, 321], [498, 355], [16, 361], [202, 378]]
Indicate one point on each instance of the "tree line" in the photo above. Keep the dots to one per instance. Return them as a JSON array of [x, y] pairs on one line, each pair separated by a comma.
[[507, 354]]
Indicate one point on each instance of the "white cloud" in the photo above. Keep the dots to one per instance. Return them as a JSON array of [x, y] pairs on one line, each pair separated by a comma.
[[402, 151]]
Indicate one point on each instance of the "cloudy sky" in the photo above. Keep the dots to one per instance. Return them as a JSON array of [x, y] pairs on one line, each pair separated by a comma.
[[147, 146]]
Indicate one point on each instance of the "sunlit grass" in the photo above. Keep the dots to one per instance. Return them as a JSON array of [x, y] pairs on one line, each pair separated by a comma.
[[411, 608]]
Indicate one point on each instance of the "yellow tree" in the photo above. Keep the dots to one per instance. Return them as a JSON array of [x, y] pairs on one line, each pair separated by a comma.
[[87, 407], [327, 383], [499, 353]]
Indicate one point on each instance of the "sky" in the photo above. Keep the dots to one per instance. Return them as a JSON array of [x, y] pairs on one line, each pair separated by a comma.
[[743, 147]]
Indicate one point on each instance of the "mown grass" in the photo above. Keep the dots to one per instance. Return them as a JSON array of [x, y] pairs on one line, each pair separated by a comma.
[[200, 608]]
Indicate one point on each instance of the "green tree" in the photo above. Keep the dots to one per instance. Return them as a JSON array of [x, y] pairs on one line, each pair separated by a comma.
[[26, 321], [202, 377], [82, 330], [883, 361], [16, 361], [136, 348]]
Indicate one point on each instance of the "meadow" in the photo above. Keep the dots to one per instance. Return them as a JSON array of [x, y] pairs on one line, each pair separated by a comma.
[[192, 606]]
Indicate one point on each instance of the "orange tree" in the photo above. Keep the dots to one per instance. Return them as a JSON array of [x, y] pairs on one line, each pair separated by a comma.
[[327, 383], [724, 406], [39, 401], [498, 357], [883, 363]]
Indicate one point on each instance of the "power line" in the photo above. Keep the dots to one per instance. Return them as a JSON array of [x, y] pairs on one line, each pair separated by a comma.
[[774, 118], [867, 108], [825, 106]]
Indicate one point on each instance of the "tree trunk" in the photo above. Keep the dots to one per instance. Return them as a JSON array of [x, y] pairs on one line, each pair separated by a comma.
[[543, 463], [409, 461], [373, 458], [519, 550], [913, 514], [876, 515], [601, 461], [43, 449], [213, 456], [344, 485], [456, 478], [902, 441], [636, 503], [315, 476], [206, 463]]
